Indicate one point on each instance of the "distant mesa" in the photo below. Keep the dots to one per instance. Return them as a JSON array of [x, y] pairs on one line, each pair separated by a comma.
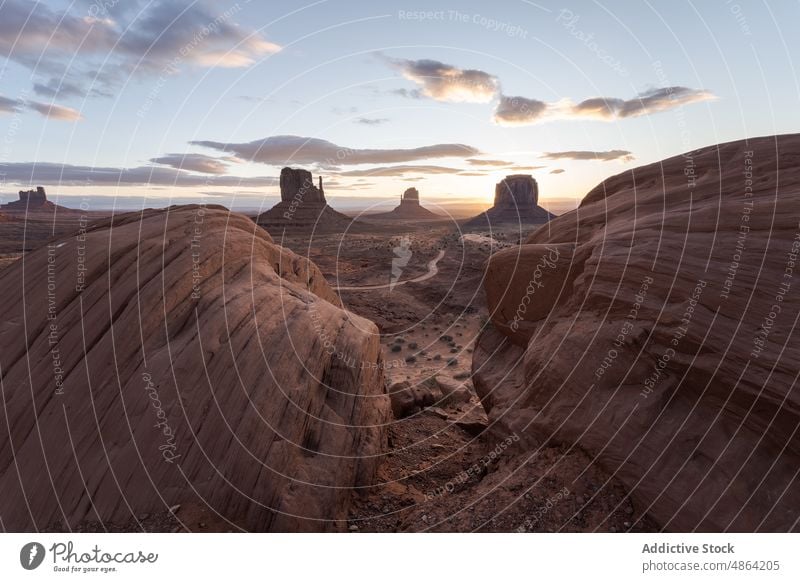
[[302, 205], [30, 200], [409, 208], [516, 201]]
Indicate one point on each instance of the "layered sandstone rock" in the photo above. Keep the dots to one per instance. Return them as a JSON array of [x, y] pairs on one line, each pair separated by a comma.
[[180, 356], [662, 340], [302, 206], [409, 208], [516, 202]]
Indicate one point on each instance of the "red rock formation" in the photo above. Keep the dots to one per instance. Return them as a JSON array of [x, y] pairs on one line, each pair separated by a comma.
[[516, 202], [30, 201], [182, 356], [662, 339], [302, 206], [409, 208]]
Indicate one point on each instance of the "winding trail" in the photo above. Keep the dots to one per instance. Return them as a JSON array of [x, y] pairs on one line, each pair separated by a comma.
[[433, 269]]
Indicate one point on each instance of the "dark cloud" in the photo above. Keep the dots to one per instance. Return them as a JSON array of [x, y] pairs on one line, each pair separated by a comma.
[[193, 162], [91, 47], [557, 171], [448, 83], [9, 105], [72, 175], [280, 150], [371, 120], [606, 156], [55, 87], [518, 110]]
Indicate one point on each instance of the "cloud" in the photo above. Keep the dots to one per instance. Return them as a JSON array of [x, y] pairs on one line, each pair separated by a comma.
[[606, 156], [407, 93], [292, 149], [371, 120], [448, 83], [67, 174], [9, 105], [524, 111], [193, 162], [475, 162], [400, 171], [557, 171], [653, 101], [518, 110], [58, 88], [50, 110], [90, 50], [55, 111]]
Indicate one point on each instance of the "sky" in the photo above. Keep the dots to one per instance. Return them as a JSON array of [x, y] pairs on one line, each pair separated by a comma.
[[127, 103]]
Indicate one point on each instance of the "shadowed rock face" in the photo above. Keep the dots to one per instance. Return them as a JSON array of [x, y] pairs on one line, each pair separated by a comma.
[[515, 202], [517, 191], [30, 200], [192, 360], [409, 208], [662, 339], [410, 197], [299, 185], [302, 206]]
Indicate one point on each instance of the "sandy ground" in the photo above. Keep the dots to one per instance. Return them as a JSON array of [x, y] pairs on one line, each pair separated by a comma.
[[440, 473]]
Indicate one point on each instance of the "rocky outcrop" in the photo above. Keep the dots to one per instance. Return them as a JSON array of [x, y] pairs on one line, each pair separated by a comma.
[[410, 197], [177, 357], [517, 191], [409, 208], [299, 185], [30, 200], [516, 202], [302, 206], [659, 336]]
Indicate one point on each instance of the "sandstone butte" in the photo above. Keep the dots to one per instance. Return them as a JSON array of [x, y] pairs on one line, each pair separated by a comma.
[[409, 209], [516, 202], [194, 361], [659, 335], [302, 206]]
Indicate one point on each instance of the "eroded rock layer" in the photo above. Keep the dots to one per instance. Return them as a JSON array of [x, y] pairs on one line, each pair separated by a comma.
[[181, 356], [655, 328]]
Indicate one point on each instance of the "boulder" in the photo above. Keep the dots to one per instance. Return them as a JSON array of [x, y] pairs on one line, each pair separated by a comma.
[[180, 356], [408, 399], [666, 346], [452, 393]]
